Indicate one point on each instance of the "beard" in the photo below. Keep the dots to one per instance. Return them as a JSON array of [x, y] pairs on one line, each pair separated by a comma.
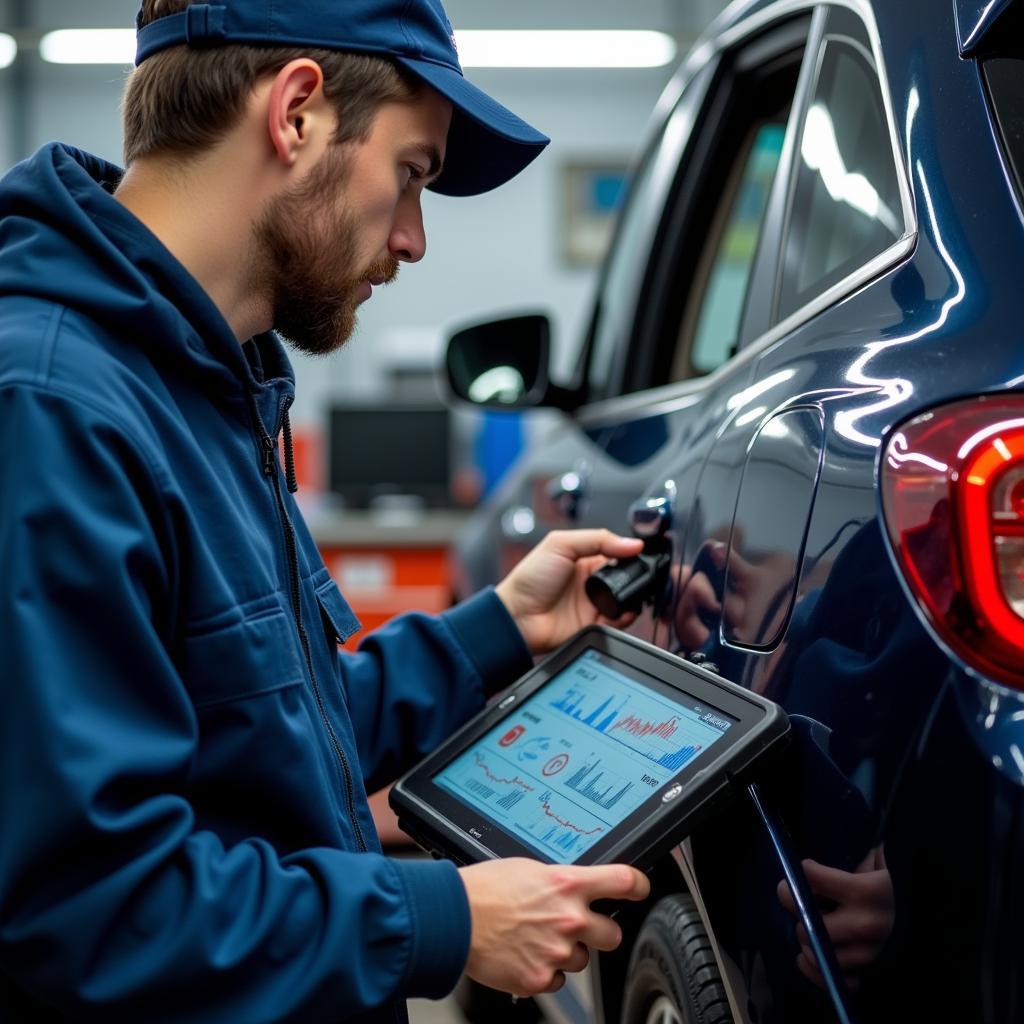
[[307, 250]]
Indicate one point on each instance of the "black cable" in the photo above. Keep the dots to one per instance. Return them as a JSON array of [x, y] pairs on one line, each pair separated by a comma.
[[807, 906]]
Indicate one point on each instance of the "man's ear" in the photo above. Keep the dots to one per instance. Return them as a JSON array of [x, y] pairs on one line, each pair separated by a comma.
[[297, 111]]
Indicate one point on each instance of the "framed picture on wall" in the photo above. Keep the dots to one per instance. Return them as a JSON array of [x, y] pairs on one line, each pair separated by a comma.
[[594, 192]]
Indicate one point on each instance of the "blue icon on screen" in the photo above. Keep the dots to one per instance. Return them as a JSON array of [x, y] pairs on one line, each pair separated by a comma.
[[535, 749]]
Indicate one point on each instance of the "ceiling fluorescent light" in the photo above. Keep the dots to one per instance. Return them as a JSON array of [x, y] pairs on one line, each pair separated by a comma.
[[8, 50], [565, 49], [477, 48], [89, 46]]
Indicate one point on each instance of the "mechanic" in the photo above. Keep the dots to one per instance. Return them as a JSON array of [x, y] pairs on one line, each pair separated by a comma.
[[184, 754]]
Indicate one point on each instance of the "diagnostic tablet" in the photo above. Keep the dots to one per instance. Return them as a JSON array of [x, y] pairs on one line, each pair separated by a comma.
[[608, 751]]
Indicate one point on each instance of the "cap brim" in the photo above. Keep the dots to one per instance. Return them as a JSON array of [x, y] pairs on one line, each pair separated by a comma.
[[487, 144]]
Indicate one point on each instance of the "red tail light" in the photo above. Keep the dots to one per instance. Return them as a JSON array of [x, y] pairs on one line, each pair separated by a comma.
[[953, 499]]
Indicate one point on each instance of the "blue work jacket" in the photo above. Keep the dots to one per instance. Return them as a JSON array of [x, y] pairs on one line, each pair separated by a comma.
[[184, 753]]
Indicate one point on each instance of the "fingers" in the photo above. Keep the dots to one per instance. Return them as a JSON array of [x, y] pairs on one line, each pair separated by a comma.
[[867, 884], [862, 921], [621, 622], [578, 544], [557, 982], [611, 882], [829, 883], [577, 961], [602, 933], [845, 930], [874, 861], [573, 964], [526, 944], [785, 894]]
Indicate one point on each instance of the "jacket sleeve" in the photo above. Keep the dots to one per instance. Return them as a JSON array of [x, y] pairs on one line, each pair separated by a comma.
[[418, 678], [114, 906]]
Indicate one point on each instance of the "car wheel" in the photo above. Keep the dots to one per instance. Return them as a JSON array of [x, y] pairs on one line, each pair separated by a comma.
[[673, 975]]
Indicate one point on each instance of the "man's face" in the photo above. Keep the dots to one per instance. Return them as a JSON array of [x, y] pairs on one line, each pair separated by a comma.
[[346, 227]]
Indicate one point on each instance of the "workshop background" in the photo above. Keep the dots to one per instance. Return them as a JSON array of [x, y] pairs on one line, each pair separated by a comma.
[[503, 251], [533, 245], [383, 519]]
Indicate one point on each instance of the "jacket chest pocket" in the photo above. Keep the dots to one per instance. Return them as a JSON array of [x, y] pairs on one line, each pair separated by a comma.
[[339, 620], [255, 653]]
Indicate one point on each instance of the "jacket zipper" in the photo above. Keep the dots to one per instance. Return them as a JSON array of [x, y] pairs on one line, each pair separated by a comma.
[[269, 446]]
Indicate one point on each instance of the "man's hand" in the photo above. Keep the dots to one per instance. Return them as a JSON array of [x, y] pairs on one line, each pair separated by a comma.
[[861, 922], [544, 592], [532, 922]]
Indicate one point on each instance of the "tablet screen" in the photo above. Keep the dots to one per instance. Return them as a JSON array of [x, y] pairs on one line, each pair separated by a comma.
[[582, 754]]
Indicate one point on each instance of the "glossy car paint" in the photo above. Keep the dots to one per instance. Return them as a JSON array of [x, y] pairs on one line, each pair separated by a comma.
[[974, 20], [901, 747]]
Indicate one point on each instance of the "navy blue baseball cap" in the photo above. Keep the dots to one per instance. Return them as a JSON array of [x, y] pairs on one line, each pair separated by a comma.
[[487, 144]]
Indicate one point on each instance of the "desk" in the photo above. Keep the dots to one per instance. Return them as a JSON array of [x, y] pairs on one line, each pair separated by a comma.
[[390, 562]]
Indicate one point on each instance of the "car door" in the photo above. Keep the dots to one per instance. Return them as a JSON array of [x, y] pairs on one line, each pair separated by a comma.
[[707, 170], [652, 376]]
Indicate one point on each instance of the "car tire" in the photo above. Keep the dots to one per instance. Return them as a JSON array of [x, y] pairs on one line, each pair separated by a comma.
[[673, 977]]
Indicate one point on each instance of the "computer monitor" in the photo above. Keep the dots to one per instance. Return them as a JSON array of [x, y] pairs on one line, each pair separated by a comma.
[[380, 453]]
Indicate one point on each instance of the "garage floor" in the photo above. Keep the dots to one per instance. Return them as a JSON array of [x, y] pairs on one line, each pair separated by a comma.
[[430, 1011], [570, 1006]]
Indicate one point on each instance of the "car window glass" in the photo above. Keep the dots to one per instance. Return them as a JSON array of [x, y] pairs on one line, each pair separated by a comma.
[[618, 287], [846, 204], [718, 229], [710, 328]]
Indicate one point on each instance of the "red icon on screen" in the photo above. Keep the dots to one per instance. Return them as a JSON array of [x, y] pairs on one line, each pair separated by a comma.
[[511, 736]]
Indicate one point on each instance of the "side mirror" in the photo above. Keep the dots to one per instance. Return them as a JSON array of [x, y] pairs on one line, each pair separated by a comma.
[[504, 364]]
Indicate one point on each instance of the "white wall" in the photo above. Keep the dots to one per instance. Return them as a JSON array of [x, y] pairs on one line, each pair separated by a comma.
[[489, 254]]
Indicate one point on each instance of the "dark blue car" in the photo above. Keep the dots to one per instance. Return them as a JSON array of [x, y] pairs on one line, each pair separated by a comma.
[[801, 384]]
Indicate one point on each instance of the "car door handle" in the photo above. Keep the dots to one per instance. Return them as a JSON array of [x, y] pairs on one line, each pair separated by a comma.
[[651, 517], [567, 492]]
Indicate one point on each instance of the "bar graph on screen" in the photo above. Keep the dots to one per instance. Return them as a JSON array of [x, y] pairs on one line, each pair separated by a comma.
[[652, 731]]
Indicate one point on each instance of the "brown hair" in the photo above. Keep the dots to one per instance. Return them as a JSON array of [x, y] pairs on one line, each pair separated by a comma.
[[181, 101]]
